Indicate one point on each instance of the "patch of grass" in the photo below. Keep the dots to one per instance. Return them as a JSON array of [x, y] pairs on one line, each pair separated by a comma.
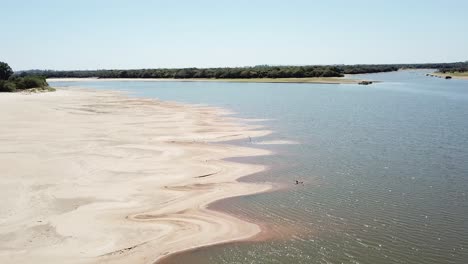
[[39, 90]]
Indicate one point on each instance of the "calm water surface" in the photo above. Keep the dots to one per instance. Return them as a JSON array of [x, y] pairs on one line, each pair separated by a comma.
[[385, 168]]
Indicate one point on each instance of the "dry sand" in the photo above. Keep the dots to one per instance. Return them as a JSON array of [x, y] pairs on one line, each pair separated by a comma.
[[454, 76], [98, 177]]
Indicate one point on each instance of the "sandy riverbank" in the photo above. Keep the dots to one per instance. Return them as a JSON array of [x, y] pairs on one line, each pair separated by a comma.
[[98, 177], [322, 80], [455, 75]]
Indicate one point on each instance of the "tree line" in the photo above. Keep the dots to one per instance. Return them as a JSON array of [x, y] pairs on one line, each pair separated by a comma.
[[261, 71], [455, 67]]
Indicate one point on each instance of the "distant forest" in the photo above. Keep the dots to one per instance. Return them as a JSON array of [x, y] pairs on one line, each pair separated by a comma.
[[262, 71], [455, 67]]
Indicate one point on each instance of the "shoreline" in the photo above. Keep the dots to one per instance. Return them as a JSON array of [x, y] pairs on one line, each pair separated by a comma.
[[266, 233], [454, 76], [318, 80], [140, 176]]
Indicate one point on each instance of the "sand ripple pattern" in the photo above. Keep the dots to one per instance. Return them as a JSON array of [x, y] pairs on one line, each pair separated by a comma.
[[98, 177]]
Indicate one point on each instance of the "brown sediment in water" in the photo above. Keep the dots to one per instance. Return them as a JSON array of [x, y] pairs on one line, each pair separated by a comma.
[[270, 231]]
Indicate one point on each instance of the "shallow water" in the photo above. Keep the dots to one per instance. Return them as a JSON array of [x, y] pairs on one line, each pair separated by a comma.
[[384, 167]]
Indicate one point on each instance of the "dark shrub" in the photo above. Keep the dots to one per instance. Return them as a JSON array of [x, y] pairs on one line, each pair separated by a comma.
[[20, 83], [30, 82], [7, 86], [5, 71]]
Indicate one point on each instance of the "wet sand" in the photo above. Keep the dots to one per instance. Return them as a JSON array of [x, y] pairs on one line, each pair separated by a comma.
[[99, 177]]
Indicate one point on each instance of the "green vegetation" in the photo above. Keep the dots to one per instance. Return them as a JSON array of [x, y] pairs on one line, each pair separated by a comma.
[[263, 71], [206, 73], [455, 72], [449, 75], [256, 72], [335, 80], [12, 83], [460, 67], [458, 71], [5, 71]]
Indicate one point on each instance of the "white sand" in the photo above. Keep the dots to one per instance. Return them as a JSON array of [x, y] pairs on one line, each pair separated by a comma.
[[97, 177]]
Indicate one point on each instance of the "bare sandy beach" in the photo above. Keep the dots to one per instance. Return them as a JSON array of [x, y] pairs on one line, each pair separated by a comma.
[[98, 177]]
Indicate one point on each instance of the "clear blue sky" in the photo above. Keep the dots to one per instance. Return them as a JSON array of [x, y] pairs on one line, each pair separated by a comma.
[[97, 34]]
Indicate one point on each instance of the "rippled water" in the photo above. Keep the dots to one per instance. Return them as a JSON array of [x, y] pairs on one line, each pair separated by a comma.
[[384, 167]]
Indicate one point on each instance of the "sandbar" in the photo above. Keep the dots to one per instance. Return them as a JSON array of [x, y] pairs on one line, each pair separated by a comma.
[[100, 177]]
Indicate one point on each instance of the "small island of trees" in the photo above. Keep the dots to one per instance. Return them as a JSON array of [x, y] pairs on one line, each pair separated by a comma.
[[10, 81], [455, 67], [255, 72], [261, 71]]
